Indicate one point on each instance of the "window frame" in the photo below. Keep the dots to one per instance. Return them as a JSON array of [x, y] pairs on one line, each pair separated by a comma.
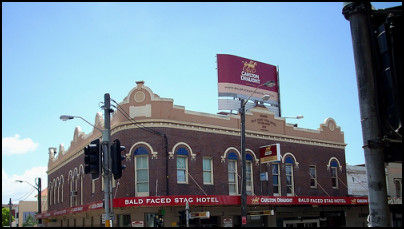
[[277, 174], [137, 192], [235, 175], [334, 177], [210, 170], [182, 170], [291, 185], [314, 179]]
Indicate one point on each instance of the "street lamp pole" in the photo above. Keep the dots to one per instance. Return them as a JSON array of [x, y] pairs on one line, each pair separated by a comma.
[[106, 162], [243, 154], [38, 188]]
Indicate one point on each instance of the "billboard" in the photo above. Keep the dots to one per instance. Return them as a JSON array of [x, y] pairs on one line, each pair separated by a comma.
[[270, 153], [239, 77]]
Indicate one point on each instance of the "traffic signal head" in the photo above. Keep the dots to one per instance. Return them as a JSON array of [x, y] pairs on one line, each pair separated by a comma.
[[117, 158], [92, 159]]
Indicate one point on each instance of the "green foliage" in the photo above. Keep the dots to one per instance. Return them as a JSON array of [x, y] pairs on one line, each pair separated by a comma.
[[5, 217], [30, 221]]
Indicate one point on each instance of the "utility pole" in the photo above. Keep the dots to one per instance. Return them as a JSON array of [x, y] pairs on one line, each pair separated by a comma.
[[243, 167], [106, 136], [358, 14], [11, 217], [39, 200]]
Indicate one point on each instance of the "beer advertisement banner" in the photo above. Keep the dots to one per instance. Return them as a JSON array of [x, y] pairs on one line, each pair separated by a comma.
[[270, 153], [238, 77]]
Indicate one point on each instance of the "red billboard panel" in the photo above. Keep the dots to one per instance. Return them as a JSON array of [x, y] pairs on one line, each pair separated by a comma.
[[270, 153], [239, 77]]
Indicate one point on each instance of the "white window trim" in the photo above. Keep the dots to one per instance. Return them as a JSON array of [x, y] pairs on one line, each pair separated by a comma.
[[140, 194], [210, 171], [185, 170], [292, 180], [235, 176], [279, 193], [315, 176]]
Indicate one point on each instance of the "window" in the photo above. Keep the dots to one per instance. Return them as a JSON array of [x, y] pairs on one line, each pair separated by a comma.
[[249, 186], [142, 171], [207, 170], [182, 165], [92, 186], [289, 180], [232, 176], [142, 175], [313, 176], [275, 180], [62, 180], [334, 177], [398, 187], [182, 169]]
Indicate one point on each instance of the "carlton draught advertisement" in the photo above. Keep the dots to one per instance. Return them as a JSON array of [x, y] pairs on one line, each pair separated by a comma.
[[239, 77]]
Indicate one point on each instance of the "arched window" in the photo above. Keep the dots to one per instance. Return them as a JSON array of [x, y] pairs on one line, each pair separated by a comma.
[[249, 175], [141, 155], [62, 182], [276, 179], [58, 187], [182, 165], [54, 190], [290, 189], [334, 174], [50, 192], [232, 173]]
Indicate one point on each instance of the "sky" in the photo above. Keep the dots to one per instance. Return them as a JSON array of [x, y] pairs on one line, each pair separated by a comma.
[[61, 58]]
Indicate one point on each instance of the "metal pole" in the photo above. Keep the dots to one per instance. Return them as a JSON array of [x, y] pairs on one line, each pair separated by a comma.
[[11, 217], [243, 167], [106, 145], [187, 213], [39, 199], [358, 14]]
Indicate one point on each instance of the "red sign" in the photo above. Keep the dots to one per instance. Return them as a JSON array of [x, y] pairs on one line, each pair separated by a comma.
[[213, 200], [295, 200], [239, 77], [176, 201], [270, 153]]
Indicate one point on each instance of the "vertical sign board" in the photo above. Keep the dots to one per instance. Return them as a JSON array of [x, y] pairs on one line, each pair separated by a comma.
[[270, 153], [238, 77]]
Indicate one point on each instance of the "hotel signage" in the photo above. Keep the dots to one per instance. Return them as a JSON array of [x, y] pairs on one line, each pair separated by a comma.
[[213, 200]]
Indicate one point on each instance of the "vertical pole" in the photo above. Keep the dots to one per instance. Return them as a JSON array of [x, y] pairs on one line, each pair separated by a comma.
[[358, 14], [243, 167], [187, 213], [106, 145], [11, 216], [39, 199]]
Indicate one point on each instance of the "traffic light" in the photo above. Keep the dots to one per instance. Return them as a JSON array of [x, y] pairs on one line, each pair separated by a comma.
[[117, 158], [92, 159], [182, 216]]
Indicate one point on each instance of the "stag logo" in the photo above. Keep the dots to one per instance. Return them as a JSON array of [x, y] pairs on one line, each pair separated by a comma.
[[255, 200], [249, 66]]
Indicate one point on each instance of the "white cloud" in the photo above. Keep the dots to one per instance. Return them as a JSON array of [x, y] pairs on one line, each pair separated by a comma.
[[22, 191], [15, 145]]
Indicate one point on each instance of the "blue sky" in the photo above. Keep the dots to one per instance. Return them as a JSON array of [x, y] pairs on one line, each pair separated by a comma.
[[61, 58]]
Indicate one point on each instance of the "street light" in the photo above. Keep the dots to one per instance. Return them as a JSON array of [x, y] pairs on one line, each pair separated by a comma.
[[297, 117], [243, 155], [106, 164], [68, 117], [38, 188]]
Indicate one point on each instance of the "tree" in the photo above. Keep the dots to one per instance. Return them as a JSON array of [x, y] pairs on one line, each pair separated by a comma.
[[30, 221], [5, 217]]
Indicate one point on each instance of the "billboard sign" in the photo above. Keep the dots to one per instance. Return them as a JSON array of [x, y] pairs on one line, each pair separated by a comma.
[[238, 77], [270, 153]]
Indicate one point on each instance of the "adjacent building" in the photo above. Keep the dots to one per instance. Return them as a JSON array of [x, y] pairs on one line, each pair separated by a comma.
[[174, 156]]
